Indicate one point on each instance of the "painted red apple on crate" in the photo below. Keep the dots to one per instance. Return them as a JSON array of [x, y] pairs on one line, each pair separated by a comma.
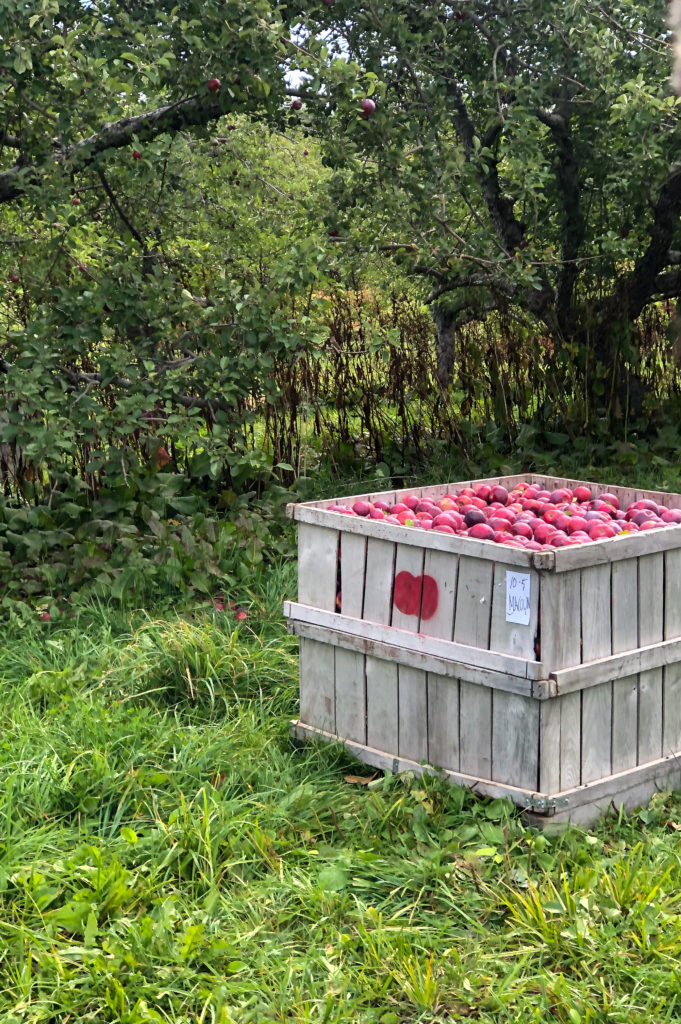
[[548, 674]]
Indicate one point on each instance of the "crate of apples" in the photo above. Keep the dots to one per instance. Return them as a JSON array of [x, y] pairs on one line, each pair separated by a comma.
[[525, 517]]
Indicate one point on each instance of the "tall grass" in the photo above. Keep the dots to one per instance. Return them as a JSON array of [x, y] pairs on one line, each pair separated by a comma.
[[167, 855]]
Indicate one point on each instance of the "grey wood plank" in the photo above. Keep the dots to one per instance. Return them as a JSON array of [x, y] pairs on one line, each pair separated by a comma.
[[651, 630], [561, 647], [473, 603], [515, 739], [317, 566], [625, 687], [444, 569], [671, 733], [408, 561], [413, 713], [443, 721], [596, 700], [475, 730], [317, 685], [379, 580], [382, 706], [353, 571], [350, 695], [381, 674]]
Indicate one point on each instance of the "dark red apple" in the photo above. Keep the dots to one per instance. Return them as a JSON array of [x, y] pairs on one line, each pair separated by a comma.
[[136, 155], [368, 106], [473, 516], [297, 104], [213, 84]]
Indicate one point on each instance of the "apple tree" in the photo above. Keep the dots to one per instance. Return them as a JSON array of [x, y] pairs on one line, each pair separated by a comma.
[[520, 159], [155, 264]]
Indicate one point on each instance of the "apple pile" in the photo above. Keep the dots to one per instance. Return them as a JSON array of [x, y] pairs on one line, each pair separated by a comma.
[[528, 516]]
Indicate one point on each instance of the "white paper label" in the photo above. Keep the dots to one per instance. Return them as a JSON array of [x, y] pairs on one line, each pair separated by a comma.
[[518, 598]]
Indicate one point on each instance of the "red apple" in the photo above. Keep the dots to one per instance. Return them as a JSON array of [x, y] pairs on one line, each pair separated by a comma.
[[499, 494], [362, 508], [582, 494], [136, 155], [213, 84], [600, 531], [368, 106], [481, 531], [296, 104]]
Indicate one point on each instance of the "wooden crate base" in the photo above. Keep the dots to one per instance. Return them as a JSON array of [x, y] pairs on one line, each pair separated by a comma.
[[582, 805]]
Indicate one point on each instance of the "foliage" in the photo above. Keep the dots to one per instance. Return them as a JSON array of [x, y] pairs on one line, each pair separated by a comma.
[[167, 855], [521, 159]]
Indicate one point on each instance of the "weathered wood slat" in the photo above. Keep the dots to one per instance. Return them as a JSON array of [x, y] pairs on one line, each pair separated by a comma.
[[613, 549], [515, 739], [378, 588], [671, 727], [413, 713], [445, 650], [616, 666], [444, 569], [515, 719], [549, 746], [353, 569], [408, 560], [382, 707], [560, 602], [350, 695], [443, 721], [650, 630], [597, 700], [443, 691], [381, 674], [317, 685], [501, 680], [473, 603], [317, 566], [624, 600], [472, 627], [475, 738]]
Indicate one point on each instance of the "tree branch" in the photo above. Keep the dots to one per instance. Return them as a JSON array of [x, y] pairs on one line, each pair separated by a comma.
[[635, 290], [195, 110]]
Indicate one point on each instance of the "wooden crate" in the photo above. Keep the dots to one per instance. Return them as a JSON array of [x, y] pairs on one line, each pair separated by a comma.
[[416, 667]]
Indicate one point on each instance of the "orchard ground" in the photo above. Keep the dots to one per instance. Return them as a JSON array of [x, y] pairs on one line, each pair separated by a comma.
[[167, 855]]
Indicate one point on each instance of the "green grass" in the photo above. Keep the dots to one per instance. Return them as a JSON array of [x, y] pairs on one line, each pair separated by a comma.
[[167, 855]]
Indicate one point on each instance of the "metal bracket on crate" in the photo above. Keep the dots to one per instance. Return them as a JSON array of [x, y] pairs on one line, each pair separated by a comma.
[[545, 803]]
